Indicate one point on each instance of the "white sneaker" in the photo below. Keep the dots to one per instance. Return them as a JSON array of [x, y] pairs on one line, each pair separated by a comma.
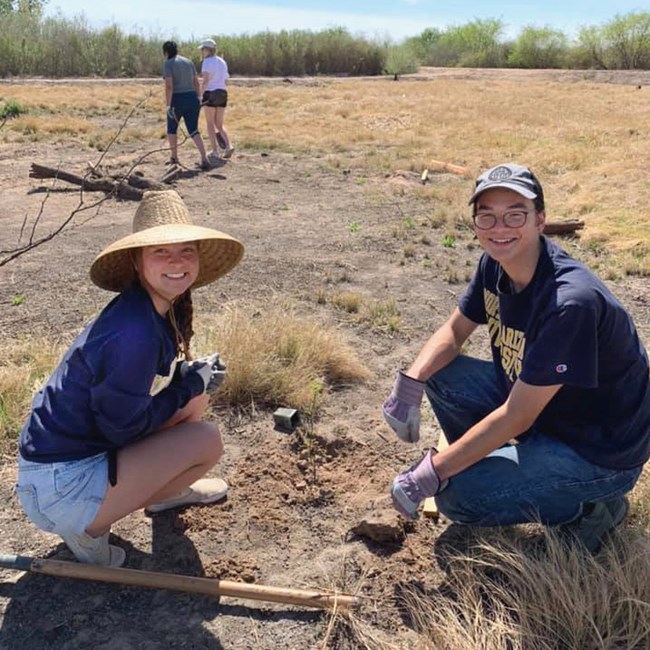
[[229, 152], [205, 490], [95, 550]]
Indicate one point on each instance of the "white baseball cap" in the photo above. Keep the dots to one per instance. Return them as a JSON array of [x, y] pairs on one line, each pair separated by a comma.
[[209, 43]]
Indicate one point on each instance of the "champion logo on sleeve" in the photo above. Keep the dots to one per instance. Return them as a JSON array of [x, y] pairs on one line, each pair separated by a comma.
[[561, 368]]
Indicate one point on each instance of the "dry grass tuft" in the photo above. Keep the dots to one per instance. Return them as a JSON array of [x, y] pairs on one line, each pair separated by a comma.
[[275, 358], [383, 315], [349, 301], [24, 365], [500, 595], [351, 629]]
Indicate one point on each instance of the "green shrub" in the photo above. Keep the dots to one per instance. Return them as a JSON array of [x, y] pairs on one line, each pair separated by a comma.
[[539, 48], [401, 59], [11, 108]]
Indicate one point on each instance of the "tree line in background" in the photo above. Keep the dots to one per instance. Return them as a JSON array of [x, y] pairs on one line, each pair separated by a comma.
[[31, 44]]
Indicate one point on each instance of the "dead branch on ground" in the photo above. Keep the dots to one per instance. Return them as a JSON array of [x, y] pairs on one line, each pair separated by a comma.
[[124, 187], [129, 185], [563, 227]]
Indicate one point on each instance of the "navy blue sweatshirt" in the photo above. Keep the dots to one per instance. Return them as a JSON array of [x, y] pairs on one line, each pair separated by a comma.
[[112, 387]]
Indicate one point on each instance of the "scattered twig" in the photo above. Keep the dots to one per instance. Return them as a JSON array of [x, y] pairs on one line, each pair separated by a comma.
[[563, 227], [119, 186]]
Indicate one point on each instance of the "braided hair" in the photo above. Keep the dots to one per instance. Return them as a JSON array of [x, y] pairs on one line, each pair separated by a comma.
[[180, 316]]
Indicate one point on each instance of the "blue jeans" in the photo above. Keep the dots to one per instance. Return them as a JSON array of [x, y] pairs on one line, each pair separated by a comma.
[[544, 480]]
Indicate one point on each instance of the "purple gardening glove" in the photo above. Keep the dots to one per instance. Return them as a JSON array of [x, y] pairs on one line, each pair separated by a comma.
[[402, 408], [416, 484]]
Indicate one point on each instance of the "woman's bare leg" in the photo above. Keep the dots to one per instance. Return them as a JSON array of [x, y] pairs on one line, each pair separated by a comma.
[[209, 123], [161, 465], [218, 124]]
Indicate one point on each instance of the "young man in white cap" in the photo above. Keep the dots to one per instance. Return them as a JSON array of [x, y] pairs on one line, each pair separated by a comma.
[[119, 424], [214, 74], [567, 384]]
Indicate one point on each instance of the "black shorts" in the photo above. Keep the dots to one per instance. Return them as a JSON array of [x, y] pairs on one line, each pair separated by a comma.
[[215, 98]]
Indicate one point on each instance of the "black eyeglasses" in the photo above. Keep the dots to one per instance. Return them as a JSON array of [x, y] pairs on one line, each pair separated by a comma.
[[511, 219]]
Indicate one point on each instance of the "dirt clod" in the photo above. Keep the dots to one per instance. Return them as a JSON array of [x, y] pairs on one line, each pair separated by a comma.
[[381, 525]]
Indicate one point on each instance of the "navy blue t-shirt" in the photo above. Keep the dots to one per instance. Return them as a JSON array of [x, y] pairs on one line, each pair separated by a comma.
[[567, 328], [114, 385]]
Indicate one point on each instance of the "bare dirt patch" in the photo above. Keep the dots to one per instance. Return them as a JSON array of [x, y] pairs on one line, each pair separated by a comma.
[[283, 523]]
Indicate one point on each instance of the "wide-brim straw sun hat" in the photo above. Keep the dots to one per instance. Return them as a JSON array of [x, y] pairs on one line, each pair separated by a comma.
[[163, 218]]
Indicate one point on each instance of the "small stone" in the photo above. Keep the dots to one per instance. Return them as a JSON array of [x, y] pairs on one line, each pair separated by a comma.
[[380, 525]]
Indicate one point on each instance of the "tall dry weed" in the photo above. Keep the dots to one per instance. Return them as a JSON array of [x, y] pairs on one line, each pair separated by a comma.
[[502, 595], [274, 358], [24, 365]]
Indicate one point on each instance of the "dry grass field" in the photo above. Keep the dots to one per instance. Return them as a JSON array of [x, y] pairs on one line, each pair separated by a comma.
[[351, 261], [588, 141]]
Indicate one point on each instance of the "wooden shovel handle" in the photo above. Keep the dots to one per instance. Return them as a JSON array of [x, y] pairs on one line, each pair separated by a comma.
[[157, 580]]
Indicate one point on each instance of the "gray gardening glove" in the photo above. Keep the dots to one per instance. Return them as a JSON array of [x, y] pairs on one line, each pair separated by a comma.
[[416, 484], [210, 368], [402, 408]]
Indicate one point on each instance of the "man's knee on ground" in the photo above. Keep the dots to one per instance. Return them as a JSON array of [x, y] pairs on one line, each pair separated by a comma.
[[456, 503]]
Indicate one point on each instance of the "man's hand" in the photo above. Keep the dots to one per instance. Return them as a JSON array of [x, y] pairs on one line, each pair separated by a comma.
[[402, 408], [171, 113], [210, 368], [416, 484]]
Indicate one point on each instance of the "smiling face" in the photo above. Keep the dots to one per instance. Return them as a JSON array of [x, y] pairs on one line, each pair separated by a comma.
[[167, 271], [516, 249]]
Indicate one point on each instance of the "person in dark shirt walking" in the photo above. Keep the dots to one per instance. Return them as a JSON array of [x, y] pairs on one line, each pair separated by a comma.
[[556, 427], [183, 101], [119, 424]]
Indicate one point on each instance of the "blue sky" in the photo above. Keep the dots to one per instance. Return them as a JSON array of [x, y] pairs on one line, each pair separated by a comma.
[[394, 18]]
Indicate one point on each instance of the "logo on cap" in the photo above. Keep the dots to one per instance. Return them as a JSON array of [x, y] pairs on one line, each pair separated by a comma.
[[500, 174], [561, 368]]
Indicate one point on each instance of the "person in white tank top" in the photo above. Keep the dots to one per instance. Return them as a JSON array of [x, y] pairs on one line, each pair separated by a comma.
[[214, 73]]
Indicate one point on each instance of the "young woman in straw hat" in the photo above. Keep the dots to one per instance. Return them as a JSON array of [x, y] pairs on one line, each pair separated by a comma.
[[118, 426]]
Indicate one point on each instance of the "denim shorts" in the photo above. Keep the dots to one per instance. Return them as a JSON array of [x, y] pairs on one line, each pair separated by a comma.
[[64, 497]]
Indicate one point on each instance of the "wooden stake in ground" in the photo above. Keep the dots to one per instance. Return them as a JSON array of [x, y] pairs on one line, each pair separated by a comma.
[[442, 166], [156, 580], [430, 508]]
